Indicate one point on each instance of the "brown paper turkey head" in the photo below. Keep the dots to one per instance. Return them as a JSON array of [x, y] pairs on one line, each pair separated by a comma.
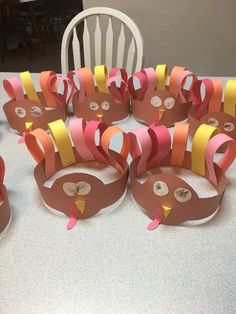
[[152, 100], [166, 198], [5, 211], [211, 110], [33, 110], [20, 114], [108, 101], [78, 195]]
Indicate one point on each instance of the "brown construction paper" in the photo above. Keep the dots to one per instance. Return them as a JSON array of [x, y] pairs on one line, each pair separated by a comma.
[[145, 112], [101, 195], [193, 209], [118, 110], [48, 114], [5, 211], [222, 118]]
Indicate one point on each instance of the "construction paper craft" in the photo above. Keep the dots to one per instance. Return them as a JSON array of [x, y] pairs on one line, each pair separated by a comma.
[[166, 198], [78, 195], [211, 110], [31, 110], [100, 97], [153, 100], [5, 211]]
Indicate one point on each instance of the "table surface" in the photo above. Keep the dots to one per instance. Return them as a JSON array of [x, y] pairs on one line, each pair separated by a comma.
[[111, 263]]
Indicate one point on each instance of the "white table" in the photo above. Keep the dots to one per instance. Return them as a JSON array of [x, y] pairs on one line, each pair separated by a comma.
[[110, 264]]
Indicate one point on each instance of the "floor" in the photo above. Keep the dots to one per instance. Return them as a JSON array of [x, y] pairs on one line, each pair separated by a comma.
[[28, 56], [18, 61]]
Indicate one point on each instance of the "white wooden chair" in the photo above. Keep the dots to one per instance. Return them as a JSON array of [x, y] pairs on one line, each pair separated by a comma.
[[127, 42]]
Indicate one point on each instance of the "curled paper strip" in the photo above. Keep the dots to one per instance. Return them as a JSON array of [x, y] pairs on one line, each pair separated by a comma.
[[179, 144], [13, 88], [102, 97], [153, 100], [5, 211], [78, 195], [197, 99], [226, 160], [124, 151], [150, 147], [53, 85], [89, 134], [101, 77], [211, 110], [62, 141], [166, 198], [77, 128], [33, 109], [162, 75], [141, 151], [230, 98]]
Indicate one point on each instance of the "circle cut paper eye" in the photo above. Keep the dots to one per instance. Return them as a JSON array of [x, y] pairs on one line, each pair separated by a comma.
[[69, 188], [229, 126], [82, 188], [93, 106], [20, 112], [105, 105], [36, 111], [182, 195], [169, 103], [160, 188], [213, 122], [156, 101], [79, 188]]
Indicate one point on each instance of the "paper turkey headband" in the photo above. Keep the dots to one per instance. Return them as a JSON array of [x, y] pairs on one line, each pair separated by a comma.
[[30, 109], [5, 211], [100, 97], [78, 195], [152, 99], [210, 109], [166, 198]]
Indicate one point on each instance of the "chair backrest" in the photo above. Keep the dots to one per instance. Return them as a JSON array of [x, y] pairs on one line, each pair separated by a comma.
[[127, 42]]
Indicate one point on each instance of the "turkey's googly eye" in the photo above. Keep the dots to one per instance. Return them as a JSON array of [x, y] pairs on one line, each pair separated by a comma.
[[20, 112], [156, 101], [36, 111], [182, 195], [213, 122], [169, 103], [229, 126], [160, 188], [82, 188], [69, 188], [93, 106], [105, 105]]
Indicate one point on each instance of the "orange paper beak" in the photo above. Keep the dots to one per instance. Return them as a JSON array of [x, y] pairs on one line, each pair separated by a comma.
[[80, 204], [160, 114], [166, 210], [29, 126], [100, 117]]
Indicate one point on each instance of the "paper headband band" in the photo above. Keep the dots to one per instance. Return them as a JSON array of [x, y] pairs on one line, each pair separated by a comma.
[[33, 109], [156, 101], [211, 110], [165, 198], [100, 97], [78, 195], [5, 211]]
